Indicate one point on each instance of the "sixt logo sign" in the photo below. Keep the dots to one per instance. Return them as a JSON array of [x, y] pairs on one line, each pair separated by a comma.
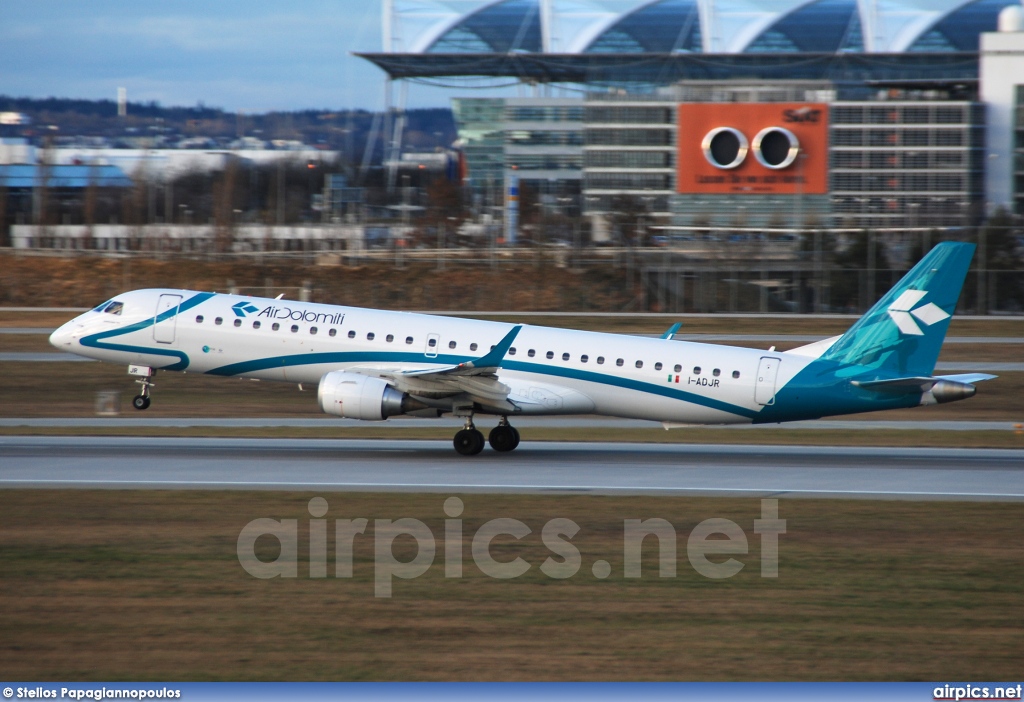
[[904, 311], [243, 308], [803, 115]]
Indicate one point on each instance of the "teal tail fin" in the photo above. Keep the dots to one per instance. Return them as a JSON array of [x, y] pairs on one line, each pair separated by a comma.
[[903, 333]]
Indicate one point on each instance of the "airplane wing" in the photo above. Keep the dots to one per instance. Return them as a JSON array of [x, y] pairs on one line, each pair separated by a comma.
[[476, 379], [488, 364]]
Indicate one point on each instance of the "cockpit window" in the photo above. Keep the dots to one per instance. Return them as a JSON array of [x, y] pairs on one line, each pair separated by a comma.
[[99, 307], [114, 308]]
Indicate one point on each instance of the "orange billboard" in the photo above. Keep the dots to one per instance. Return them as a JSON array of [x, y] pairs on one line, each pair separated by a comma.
[[750, 148]]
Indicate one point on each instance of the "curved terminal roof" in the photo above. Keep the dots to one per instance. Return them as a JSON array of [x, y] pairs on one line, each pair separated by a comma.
[[696, 26], [959, 29], [501, 28], [662, 27], [822, 26]]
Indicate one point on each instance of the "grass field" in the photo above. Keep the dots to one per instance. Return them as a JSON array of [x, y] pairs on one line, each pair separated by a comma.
[[135, 585]]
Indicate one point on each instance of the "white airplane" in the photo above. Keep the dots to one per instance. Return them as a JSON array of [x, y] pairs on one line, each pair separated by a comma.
[[375, 364]]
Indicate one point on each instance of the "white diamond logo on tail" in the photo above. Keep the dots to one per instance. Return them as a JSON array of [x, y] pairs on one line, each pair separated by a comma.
[[903, 312], [930, 314]]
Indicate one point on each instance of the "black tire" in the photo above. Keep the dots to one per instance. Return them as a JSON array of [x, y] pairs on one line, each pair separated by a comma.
[[140, 402], [468, 442], [503, 438], [516, 433]]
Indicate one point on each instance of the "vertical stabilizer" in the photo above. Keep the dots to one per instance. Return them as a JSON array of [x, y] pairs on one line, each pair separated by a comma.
[[903, 333]]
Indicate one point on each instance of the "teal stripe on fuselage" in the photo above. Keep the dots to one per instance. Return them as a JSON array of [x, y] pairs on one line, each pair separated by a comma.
[[97, 341], [245, 367]]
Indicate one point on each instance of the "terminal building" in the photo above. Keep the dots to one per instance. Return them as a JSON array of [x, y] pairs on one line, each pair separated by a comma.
[[839, 113]]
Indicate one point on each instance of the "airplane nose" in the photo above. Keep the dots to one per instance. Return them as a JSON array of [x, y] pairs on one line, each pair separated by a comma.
[[62, 336]]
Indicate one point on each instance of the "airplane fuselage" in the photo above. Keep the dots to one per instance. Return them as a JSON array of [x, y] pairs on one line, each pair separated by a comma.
[[548, 370]]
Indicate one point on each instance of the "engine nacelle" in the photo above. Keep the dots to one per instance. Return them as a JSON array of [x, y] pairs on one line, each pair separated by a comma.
[[357, 396]]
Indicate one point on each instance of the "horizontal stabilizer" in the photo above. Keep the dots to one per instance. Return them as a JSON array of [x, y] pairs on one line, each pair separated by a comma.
[[933, 390], [899, 386], [967, 377]]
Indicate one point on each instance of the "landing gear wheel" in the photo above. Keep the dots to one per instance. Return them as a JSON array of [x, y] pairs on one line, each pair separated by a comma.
[[516, 432], [140, 402], [503, 438], [468, 442]]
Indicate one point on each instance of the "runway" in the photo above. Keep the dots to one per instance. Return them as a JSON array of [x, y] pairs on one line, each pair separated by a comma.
[[134, 421], [536, 467]]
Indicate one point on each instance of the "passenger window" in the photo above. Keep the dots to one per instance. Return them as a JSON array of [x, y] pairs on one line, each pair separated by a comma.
[[550, 354], [275, 326], [313, 331], [238, 322], [511, 351], [408, 339], [451, 344], [352, 334], [678, 368], [218, 321], [431, 343], [716, 372], [565, 357], [389, 338], [619, 361], [472, 347], [584, 358], [735, 374], [295, 328], [369, 336], [658, 366], [639, 364], [696, 370], [256, 325], [332, 332], [600, 360], [531, 353], [199, 319]]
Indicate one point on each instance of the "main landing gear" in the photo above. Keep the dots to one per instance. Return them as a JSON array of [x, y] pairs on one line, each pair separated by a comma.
[[469, 441]]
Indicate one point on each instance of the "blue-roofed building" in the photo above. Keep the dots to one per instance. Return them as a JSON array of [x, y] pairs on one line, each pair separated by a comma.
[[71, 177]]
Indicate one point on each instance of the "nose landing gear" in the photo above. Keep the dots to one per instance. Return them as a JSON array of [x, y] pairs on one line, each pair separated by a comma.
[[142, 400]]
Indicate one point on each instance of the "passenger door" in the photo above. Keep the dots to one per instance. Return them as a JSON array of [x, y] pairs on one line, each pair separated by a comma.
[[164, 329], [764, 386]]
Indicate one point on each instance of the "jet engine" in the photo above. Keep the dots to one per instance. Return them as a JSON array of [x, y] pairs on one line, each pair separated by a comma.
[[357, 396]]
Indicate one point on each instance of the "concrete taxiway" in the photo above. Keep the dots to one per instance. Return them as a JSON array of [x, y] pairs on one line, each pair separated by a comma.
[[536, 467]]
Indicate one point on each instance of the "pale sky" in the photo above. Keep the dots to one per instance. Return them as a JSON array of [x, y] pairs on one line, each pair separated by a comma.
[[252, 55]]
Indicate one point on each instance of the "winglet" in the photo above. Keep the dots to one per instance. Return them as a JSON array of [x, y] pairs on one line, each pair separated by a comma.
[[672, 330], [495, 356]]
